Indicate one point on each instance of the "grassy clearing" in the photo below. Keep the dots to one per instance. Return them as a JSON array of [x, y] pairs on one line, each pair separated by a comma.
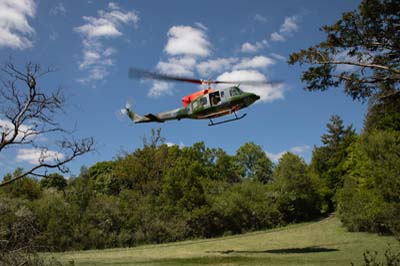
[[319, 243]]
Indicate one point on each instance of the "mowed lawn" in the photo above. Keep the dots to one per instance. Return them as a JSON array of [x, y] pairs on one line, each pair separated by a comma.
[[319, 243]]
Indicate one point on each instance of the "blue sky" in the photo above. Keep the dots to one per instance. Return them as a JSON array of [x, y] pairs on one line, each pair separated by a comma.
[[92, 44]]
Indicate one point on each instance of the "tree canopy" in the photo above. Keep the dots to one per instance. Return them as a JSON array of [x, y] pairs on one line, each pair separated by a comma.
[[361, 52]]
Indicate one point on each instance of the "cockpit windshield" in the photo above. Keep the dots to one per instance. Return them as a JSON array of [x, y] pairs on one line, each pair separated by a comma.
[[235, 91]]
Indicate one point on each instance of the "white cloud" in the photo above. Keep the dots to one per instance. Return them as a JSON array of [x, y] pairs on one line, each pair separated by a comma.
[[186, 40], [289, 25], [107, 25], [185, 44], [267, 92], [7, 128], [14, 27], [58, 9], [177, 66], [248, 47], [260, 18], [160, 88], [206, 68], [278, 56], [170, 144], [34, 155], [299, 150], [174, 66], [113, 5], [255, 62], [276, 37], [53, 36], [275, 156], [212, 66]]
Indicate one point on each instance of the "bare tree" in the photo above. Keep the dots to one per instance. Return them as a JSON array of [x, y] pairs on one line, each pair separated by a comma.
[[27, 113]]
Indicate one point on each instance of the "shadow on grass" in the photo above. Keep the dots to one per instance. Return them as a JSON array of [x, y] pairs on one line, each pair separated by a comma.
[[279, 251], [231, 260]]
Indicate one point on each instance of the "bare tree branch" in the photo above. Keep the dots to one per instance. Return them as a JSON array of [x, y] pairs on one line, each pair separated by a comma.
[[27, 112]]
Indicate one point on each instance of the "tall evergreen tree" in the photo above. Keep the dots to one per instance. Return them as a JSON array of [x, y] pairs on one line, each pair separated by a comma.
[[327, 160]]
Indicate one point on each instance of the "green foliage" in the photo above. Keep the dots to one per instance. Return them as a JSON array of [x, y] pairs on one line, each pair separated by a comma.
[[155, 194], [56, 219], [18, 227], [253, 162], [27, 188], [370, 198], [391, 258], [245, 207], [361, 52], [297, 195], [226, 168], [327, 164], [383, 114], [182, 186], [53, 180]]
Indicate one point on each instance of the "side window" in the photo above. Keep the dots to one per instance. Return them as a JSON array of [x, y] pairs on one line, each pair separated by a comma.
[[222, 94], [215, 98], [203, 100]]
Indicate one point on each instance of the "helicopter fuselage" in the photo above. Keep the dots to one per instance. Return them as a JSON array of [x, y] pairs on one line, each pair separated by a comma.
[[210, 104]]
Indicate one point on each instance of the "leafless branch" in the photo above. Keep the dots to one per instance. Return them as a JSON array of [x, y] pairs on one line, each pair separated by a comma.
[[76, 148], [28, 112]]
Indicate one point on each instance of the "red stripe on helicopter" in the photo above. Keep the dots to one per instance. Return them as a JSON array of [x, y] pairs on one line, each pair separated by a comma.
[[191, 97]]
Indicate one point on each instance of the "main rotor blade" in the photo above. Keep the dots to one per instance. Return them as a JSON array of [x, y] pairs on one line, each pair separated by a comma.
[[143, 74], [249, 82], [136, 73]]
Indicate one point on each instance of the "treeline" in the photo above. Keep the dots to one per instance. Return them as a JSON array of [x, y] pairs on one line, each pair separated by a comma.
[[158, 194], [162, 193]]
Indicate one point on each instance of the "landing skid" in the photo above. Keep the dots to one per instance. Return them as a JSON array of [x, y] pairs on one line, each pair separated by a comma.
[[212, 123]]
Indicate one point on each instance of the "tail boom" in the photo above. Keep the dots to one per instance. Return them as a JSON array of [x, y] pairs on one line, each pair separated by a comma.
[[160, 117]]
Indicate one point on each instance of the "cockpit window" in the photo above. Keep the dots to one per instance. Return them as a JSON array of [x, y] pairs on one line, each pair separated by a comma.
[[235, 91], [203, 100]]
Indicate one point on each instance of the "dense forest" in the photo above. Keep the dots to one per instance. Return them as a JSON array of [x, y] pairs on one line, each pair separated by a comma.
[[160, 193]]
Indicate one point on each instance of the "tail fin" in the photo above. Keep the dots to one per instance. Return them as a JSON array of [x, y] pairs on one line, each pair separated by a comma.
[[137, 118], [133, 116], [128, 111]]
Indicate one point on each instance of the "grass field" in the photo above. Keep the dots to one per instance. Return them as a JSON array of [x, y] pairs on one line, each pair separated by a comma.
[[319, 243]]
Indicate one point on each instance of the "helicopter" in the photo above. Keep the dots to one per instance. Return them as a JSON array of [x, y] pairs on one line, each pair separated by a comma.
[[208, 103]]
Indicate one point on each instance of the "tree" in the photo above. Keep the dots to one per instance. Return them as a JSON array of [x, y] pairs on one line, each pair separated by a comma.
[[28, 188], [253, 162], [327, 161], [296, 193], [225, 167], [361, 52], [383, 114], [370, 198], [54, 180], [29, 113]]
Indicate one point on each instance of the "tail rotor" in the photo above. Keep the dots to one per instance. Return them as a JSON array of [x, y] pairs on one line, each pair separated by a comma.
[[125, 110]]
